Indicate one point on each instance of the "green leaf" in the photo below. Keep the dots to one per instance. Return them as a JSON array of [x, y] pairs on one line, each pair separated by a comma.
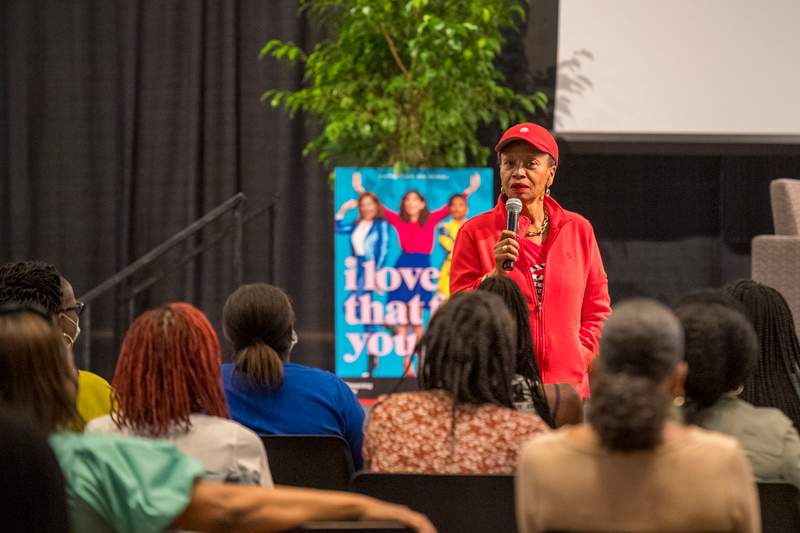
[[268, 47]]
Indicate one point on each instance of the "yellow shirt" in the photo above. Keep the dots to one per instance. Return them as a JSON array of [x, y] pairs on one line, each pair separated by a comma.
[[447, 237], [94, 400]]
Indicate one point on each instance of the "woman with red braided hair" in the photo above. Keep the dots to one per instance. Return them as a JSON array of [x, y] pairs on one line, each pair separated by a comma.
[[169, 386]]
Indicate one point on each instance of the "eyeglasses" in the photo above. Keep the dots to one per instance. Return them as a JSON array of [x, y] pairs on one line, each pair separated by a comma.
[[78, 308]]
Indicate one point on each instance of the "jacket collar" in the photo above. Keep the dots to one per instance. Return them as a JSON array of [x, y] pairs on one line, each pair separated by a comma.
[[558, 217]]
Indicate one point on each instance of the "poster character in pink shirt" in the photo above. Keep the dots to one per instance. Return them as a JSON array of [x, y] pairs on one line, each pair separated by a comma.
[[415, 225]]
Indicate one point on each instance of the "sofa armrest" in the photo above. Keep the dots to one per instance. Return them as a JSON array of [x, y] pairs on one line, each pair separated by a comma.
[[776, 262]]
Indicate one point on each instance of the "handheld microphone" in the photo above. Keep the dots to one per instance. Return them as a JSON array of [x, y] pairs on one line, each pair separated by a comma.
[[513, 207]]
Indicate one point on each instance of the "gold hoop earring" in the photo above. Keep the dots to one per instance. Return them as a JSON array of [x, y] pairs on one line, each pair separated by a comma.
[[679, 401], [502, 190], [547, 191]]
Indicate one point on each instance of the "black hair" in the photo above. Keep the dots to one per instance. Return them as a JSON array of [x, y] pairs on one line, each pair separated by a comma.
[[424, 214], [527, 365], [721, 350], [456, 195], [259, 320], [775, 382], [642, 344], [469, 352], [31, 282]]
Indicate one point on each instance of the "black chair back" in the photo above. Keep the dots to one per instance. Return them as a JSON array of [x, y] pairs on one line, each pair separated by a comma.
[[780, 507], [455, 503], [311, 461]]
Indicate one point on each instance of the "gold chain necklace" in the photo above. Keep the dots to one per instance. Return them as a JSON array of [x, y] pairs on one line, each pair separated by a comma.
[[542, 227]]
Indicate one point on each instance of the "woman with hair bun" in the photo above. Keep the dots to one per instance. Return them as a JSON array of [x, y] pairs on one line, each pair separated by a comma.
[[266, 392], [630, 468], [168, 386]]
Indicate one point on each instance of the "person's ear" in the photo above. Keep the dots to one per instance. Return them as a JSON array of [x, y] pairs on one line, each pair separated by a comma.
[[675, 384]]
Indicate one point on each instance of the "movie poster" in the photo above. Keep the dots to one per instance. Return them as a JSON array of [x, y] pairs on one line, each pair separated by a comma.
[[394, 236]]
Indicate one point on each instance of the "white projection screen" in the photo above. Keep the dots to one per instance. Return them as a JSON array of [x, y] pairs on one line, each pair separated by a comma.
[[719, 68]]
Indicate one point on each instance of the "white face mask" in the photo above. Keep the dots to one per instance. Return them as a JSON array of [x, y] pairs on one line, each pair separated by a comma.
[[77, 330]]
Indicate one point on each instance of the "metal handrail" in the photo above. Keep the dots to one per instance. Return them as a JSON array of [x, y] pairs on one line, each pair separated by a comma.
[[235, 204]]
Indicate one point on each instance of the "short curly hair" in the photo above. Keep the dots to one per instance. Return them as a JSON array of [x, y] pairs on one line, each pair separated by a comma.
[[31, 282]]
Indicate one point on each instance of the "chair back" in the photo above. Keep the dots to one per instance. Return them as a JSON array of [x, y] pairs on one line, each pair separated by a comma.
[[780, 507], [311, 461], [785, 199], [455, 503]]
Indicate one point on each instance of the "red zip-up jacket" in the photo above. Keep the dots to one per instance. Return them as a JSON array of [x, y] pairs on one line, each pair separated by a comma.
[[566, 324]]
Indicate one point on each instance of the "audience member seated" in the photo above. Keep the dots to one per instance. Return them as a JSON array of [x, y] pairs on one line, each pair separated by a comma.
[[32, 498], [169, 386], [630, 469], [721, 350], [557, 403], [462, 421], [776, 379], [124, 484], [40, 283], [269, 394]]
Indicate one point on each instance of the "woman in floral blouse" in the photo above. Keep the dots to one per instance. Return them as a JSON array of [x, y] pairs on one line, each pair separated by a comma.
[[462, 421]]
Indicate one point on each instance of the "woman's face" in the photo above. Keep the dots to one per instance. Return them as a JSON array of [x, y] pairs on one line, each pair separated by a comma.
[[413, 204], [367, 208], [525, 171]]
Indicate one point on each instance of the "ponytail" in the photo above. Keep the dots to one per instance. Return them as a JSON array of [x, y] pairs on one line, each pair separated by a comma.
[[260, 365], [259, 321], [627, 412]]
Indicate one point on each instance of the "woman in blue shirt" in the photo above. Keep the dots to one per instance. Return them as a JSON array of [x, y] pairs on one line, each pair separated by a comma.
[[266, 392]]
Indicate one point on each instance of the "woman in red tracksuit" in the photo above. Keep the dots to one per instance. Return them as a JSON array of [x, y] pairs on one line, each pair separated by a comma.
[[557, 262]]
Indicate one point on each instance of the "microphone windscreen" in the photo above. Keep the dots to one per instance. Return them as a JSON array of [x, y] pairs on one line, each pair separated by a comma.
[[514, 205]]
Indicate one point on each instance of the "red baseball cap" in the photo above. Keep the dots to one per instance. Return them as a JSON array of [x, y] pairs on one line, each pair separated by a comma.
[[531, 133]]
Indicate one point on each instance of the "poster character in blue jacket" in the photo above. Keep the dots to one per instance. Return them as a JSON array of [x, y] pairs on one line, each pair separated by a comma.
[[369, 242]]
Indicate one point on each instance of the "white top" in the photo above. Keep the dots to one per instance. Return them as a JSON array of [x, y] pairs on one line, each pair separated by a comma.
[[359, 234], [221, 445]]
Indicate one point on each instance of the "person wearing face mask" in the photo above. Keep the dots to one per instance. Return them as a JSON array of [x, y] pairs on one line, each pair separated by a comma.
[[41, 283], [266, 392], [557, 263]]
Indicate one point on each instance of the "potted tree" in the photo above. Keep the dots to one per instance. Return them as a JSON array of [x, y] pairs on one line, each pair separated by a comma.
[[402, 85]]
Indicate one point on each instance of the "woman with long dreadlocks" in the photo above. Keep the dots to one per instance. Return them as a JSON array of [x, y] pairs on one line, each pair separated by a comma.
[[169, 386], [557, 403], [776, 379], [462, 420]]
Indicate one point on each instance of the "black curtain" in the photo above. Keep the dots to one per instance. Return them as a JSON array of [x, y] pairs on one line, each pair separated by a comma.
[[123, 122]]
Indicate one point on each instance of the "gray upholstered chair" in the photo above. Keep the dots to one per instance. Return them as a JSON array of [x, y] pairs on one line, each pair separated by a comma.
[[776, 258]]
